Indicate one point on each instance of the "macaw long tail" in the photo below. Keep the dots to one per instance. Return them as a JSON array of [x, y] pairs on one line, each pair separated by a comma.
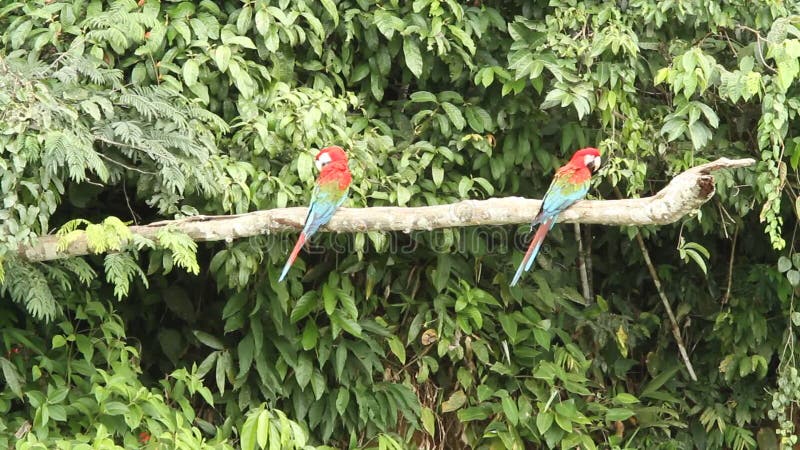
[[300, 241], [533, 249]]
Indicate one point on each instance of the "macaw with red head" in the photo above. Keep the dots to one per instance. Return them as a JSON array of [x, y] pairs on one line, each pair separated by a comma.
[[329, 193], [570, 184]]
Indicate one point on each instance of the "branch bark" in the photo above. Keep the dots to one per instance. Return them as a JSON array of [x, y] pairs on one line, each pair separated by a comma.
[[683, 195]]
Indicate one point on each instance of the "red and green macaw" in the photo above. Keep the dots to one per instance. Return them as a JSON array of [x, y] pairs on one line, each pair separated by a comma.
[[570, 184], [329, 193]]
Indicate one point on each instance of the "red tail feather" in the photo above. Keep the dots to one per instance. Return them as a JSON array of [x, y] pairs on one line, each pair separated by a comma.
[[300, 241], [533, 250]]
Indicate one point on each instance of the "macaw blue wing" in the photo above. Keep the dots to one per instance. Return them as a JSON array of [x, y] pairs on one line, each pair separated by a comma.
[[323, 205], [559, 197]]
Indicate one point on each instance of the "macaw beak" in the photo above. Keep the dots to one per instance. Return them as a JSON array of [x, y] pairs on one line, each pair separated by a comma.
[[595, 163]]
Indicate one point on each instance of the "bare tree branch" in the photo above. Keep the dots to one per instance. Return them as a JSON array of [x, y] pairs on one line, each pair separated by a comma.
[[582, 266], [683, 195], [676, 332]]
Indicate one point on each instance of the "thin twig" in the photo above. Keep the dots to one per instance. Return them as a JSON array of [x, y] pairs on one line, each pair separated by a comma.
[[759, 51], [108, 141], [587, 292], [587, 256], [127, 202], [730, 44], [676, 332], [727, 295], [124, 166]]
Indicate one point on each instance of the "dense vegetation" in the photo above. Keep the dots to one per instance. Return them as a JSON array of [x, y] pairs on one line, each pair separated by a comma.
[[115, 112]]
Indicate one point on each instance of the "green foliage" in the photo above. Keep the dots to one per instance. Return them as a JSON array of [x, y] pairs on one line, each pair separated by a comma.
[[267, 429], [182, 250], [107, 236], [122, 111]]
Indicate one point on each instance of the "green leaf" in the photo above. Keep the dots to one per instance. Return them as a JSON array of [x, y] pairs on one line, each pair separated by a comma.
[[303, 370], [262, 22], [58, 341], [794, 277], [509, 326], [242, 41], [359, 73], [234, 304], [454, 114], [510, 410], [614, 414], [543, 421], [423, 97], [224, 365], [305, 167], [403, 195], [397, 348], [697, 259], [464, 187], [473, 413], [346, 323], [245, 19], [222, 57], [248, 433], [305, 304], [625, 398], [262, 429], [318, 384], [656, 383], [437, 173], [115, 408], [340, 358], [428, 421], [462, 36], [784, 264], [563, 422], [330, 8], [13, 379], [139, 74], [412, 56], [478, 119], [177, 300], [457, 400], [208, 339], [342, 400], [310, 335], [566, 409], [246, 353], [329, 299]]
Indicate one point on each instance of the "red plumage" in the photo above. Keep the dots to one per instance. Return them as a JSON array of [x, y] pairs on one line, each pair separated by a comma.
[[536, 243], [576, 171], [336, 169], [300, 241]]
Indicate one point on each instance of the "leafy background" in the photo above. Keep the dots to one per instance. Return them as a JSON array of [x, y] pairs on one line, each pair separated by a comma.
[[115, 112]]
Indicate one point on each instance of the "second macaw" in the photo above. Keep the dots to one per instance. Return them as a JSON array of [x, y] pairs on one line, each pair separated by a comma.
[[570, 184], [329, 193]]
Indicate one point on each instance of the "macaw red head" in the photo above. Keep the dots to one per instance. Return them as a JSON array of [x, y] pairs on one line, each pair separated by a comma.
[[588, 157], [330, 154]]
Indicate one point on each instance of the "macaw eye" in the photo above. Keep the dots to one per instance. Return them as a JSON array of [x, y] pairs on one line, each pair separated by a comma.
[[322, 161]]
